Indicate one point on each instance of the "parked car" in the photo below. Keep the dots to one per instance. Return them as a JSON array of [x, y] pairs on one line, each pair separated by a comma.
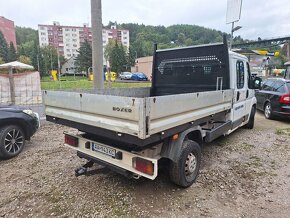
[[273, 98], [16, 126], [125, 76], [139, 77]]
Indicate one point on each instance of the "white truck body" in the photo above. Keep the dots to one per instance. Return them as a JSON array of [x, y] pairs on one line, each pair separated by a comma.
[[132, 114]]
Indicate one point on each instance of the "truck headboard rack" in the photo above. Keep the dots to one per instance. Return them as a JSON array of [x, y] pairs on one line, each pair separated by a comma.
[[190, 69]]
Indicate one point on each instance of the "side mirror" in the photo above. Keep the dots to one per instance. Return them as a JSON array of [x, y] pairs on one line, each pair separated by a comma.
[[257, 83]]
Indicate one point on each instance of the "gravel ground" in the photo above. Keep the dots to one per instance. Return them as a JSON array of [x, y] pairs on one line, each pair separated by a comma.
[[246, 174]]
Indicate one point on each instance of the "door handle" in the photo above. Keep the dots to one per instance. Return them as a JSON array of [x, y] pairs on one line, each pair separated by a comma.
[[238, 96], [247, 95]]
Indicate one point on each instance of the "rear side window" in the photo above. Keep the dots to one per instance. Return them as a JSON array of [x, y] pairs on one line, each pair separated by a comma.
[[240, 75], [279, 87], [268, 85], [288, 86]]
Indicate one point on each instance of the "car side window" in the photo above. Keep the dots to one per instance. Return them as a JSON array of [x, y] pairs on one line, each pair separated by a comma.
[[268, 85], [240, 75], [279, 87]]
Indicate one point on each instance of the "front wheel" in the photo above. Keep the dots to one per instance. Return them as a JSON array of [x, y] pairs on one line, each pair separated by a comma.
[[185, 171], [12, 141]]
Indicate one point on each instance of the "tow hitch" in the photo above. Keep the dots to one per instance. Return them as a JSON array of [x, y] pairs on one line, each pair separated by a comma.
[[83, 171]]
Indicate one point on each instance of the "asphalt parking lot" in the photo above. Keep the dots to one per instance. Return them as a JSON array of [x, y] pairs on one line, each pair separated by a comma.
[[245, 174]]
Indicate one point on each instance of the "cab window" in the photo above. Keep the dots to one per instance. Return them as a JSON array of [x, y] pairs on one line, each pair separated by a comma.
[[240, 75]]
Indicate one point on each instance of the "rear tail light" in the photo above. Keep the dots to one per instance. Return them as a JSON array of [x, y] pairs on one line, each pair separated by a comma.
[[71, 140], [285, 99], [143, 165]]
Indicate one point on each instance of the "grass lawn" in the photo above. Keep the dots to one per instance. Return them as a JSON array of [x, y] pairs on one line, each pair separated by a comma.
[[81, 83]]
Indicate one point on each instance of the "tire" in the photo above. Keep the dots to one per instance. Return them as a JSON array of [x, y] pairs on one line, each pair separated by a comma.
[[251, 123], [12, 141], [268, 111], [184, 172]]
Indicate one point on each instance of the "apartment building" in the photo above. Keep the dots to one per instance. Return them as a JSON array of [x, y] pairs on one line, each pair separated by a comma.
[[68, 39], [8, 29]]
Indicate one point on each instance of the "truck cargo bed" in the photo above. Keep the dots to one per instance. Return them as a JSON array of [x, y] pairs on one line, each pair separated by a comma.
[[132, 111]]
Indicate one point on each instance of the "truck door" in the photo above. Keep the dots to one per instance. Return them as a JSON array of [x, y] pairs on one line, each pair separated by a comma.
[[239, 105]]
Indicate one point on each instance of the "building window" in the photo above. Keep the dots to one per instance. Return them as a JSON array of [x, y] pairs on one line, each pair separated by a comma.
[[74, 45], [67, 34], [68, 50], [74, 35], [125, 32], [67, 45], [67, 29], [240, 74], [74, 40], [125, 38], [43, 34], [42, 28]]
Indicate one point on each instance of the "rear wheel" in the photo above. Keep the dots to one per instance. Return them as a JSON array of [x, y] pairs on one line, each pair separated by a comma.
[[12, 141], [268, 111], [185, 171]]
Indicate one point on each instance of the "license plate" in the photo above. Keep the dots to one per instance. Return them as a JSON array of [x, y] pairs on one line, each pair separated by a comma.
[[104, 150]]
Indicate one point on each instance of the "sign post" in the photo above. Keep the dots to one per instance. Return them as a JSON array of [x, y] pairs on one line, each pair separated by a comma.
[[234, 10]]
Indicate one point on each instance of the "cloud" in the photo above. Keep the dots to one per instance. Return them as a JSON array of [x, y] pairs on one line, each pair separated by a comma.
[[260, 18]]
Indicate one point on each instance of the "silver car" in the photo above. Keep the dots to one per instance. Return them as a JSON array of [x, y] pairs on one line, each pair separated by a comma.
[[125, 76]]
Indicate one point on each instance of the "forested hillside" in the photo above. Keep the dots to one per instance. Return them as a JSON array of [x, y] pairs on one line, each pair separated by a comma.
[[142, 37]]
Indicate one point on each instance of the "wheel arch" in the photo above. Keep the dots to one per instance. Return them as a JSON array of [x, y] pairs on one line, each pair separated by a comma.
[[172, 148], [18, 123]]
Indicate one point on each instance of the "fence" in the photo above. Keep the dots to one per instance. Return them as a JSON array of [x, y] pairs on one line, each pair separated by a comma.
[[22, 89]]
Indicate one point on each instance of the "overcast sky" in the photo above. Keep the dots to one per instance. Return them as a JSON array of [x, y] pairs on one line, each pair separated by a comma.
[[260, 18]]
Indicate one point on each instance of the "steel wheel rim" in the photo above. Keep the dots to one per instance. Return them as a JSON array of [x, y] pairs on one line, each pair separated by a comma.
[[190, 165], [13, 141], [267, 110]]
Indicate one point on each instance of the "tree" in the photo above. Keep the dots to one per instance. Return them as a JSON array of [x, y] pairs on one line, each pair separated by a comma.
[[188, 42], [12, 56], [115, 53], [1, 61], [25, 59], [3, 48], [84, 59], [131, 58], [24, 34]]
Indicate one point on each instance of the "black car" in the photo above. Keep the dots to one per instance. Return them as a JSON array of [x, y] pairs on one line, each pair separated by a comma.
[[274, 98], [16, 126]]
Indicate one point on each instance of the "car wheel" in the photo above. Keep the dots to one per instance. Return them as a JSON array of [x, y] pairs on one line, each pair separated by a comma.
[[12, 141], [185, 171], [268, 111]]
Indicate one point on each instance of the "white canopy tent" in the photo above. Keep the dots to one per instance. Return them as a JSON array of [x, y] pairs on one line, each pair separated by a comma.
[[16, 65]]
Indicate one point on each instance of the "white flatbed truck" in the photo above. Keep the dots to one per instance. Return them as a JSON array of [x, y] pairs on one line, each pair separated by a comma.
[[198, 94]]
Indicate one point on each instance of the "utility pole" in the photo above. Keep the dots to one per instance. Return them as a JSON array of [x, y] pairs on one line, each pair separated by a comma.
[[97, 43]]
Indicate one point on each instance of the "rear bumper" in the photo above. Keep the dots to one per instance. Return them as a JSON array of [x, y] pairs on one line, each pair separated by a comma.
[[123, 164], [112, 167], [285, 111]]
